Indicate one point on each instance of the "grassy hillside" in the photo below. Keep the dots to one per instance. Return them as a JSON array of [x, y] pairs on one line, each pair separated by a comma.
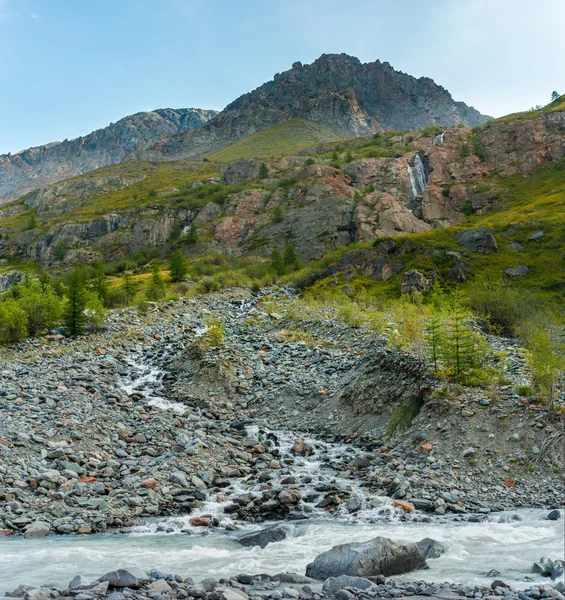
[[283, 138]]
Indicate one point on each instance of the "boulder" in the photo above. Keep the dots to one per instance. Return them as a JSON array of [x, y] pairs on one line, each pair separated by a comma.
[[79, 582], [334, 584], [414, 281], [478, 240], [430, 548], [517, 271], [274, 533], [379, 556], [543, 566], [38, 529], [132, 578], [290, 496], [554, 515]]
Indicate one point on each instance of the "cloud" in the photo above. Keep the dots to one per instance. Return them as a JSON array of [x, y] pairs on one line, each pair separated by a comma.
[[34, 16]]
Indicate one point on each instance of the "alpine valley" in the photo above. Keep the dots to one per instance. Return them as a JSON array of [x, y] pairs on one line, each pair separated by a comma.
[[311, 346]]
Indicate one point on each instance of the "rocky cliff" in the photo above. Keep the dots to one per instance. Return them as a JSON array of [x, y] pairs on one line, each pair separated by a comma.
[[37, 167], [338, 91]]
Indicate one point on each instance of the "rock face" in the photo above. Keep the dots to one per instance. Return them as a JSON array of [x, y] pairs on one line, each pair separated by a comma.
[[338, 91], [379, 556], [36, 167]]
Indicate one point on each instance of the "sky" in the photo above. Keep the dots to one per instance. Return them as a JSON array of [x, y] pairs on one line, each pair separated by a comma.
[[68, 67]]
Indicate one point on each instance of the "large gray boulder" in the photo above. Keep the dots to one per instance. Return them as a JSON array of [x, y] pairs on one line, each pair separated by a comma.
[[478, 240], [132, 578], [274, 533], [379, 556]]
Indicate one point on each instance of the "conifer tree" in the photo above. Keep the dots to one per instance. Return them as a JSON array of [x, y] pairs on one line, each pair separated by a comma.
[[129, 289], [277, 261], [192, 236], [177, 266], [433, 339], [289, 258], [263, 171], [156, 286], [73, 314]]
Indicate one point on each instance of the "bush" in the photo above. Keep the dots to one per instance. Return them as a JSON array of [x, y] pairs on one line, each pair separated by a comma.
[[94, 311], [309, 162], [32, 221], [277, 215], [463, 151], [215, 334], [12, 322], [41, 306]]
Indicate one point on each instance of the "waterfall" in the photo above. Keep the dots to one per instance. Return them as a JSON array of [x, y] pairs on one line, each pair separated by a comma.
[[417, 176], [438, 139]]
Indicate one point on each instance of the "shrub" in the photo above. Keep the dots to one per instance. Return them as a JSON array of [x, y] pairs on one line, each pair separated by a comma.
[[94, 311], [309, 162], [215, 334], [41, 306], [32, 221], [60, 251], [463, 151], [277, 215], [12, 322]]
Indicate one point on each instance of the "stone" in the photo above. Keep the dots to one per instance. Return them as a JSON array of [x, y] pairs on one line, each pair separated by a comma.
[[334, 584], [536, 237], [233, 594], [131, 577], [554, 515], [79, 582], [478, 240], [414, 281], [290, 496], [430, 548], [38, 529], [379, 556], [517, 271], [263, 537], [158, 587], [543, 566]]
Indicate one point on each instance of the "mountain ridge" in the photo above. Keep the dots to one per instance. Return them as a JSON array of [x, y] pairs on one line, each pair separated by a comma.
[[38, 166], [336, 90]]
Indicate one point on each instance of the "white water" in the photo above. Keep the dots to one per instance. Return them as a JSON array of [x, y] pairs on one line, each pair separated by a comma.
[[438, 139], [473, 550], [174, 546], [417, 176]]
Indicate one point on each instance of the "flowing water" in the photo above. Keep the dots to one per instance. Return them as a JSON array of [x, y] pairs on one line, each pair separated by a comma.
[[417, 175], [438, 139], [500, 542], [473, 549]]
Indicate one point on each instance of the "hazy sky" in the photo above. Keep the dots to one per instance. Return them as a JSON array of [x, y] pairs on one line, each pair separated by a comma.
[[68, 67]]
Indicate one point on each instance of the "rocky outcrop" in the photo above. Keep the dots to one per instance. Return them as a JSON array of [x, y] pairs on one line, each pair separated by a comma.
[[379, 556], [7, 280], [521, 145], [36, 167], [478, 240], [338, 91]]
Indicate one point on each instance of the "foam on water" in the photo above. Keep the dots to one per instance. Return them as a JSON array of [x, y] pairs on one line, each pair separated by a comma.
[[473, 549]]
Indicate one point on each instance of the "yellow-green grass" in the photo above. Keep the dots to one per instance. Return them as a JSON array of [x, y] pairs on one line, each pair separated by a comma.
[[280, 139], [159, 178], [556, 105]]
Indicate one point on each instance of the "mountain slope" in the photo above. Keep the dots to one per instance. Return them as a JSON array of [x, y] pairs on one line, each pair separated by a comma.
[[36, 167], [338, 91], [283, 138]]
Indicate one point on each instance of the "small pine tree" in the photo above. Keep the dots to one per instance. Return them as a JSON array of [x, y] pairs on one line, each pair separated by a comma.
[[433, 339], [263, 171], [277, 216], [555, 95], [177, 267], [335, 155], [129, 288], [192, 236], [459, 345], [277, 261], [99, 283], [156, 286], [32, 221], [73, 314], [289, 258], [348, 157]]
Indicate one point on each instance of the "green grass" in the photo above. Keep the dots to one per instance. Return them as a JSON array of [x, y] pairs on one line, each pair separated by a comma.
[[556, 105], [281, 139]]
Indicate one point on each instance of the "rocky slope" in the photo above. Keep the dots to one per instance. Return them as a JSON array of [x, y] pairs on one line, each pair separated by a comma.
[[36, 167], [391, 185], [349, 97]]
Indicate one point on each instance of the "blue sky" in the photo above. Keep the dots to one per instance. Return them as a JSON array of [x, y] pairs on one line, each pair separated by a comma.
[[68, 67]]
